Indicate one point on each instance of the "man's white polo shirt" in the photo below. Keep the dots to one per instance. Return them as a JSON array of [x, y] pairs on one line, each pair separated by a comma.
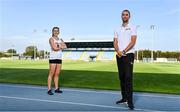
[[124, 33]]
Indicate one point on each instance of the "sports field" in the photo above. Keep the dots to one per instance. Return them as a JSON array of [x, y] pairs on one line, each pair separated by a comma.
[[148, 77]]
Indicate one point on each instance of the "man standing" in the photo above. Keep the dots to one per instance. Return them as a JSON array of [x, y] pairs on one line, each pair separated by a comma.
[[124, 42]]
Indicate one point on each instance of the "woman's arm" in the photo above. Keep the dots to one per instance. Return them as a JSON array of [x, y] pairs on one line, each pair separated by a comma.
[[53, 45], [63, 45]]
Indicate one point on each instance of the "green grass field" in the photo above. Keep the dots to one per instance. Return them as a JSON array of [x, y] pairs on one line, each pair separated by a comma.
[[148, 77]]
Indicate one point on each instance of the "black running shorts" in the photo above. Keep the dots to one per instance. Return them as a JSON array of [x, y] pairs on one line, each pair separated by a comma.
[[55, 61]]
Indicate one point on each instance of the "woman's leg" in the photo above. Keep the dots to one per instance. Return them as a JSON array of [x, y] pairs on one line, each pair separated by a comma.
[[52, 68], [56, 75]]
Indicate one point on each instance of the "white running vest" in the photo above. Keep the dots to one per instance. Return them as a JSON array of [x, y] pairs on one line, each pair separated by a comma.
[[56, 54]]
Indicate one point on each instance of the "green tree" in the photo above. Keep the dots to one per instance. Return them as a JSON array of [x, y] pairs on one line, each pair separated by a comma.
[[11, 51], [31, 51]]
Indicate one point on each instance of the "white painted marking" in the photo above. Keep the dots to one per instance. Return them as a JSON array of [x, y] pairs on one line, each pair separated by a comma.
[[72, 103], [53, 101]]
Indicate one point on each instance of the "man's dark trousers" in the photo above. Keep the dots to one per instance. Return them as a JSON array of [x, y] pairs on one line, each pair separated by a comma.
[[125, 69]]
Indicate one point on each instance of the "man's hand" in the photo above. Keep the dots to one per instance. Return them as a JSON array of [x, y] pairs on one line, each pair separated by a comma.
[[119, 53]]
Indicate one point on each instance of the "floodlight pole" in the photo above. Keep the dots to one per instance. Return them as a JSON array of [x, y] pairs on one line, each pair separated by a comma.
[[12, 51], [34, 53], [152, 30], [45, 31], [137, 46], [34, 31]]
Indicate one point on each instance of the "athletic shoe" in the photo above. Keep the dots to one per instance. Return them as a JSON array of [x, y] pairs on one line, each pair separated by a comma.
[[121, 101], [131, 106], [50, 92], [58, 91]]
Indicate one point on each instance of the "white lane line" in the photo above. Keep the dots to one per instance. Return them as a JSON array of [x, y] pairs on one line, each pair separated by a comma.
[[62, 102], [99, 92], [73, 103]]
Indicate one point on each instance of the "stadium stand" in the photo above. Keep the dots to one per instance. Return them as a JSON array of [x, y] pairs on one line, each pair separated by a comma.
[[89, 50]]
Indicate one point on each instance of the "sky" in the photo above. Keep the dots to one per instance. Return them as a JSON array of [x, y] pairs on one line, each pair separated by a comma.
[[29, 22]]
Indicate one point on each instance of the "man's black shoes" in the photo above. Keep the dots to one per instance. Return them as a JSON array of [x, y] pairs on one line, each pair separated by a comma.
[[121, 101], [131, 106]]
